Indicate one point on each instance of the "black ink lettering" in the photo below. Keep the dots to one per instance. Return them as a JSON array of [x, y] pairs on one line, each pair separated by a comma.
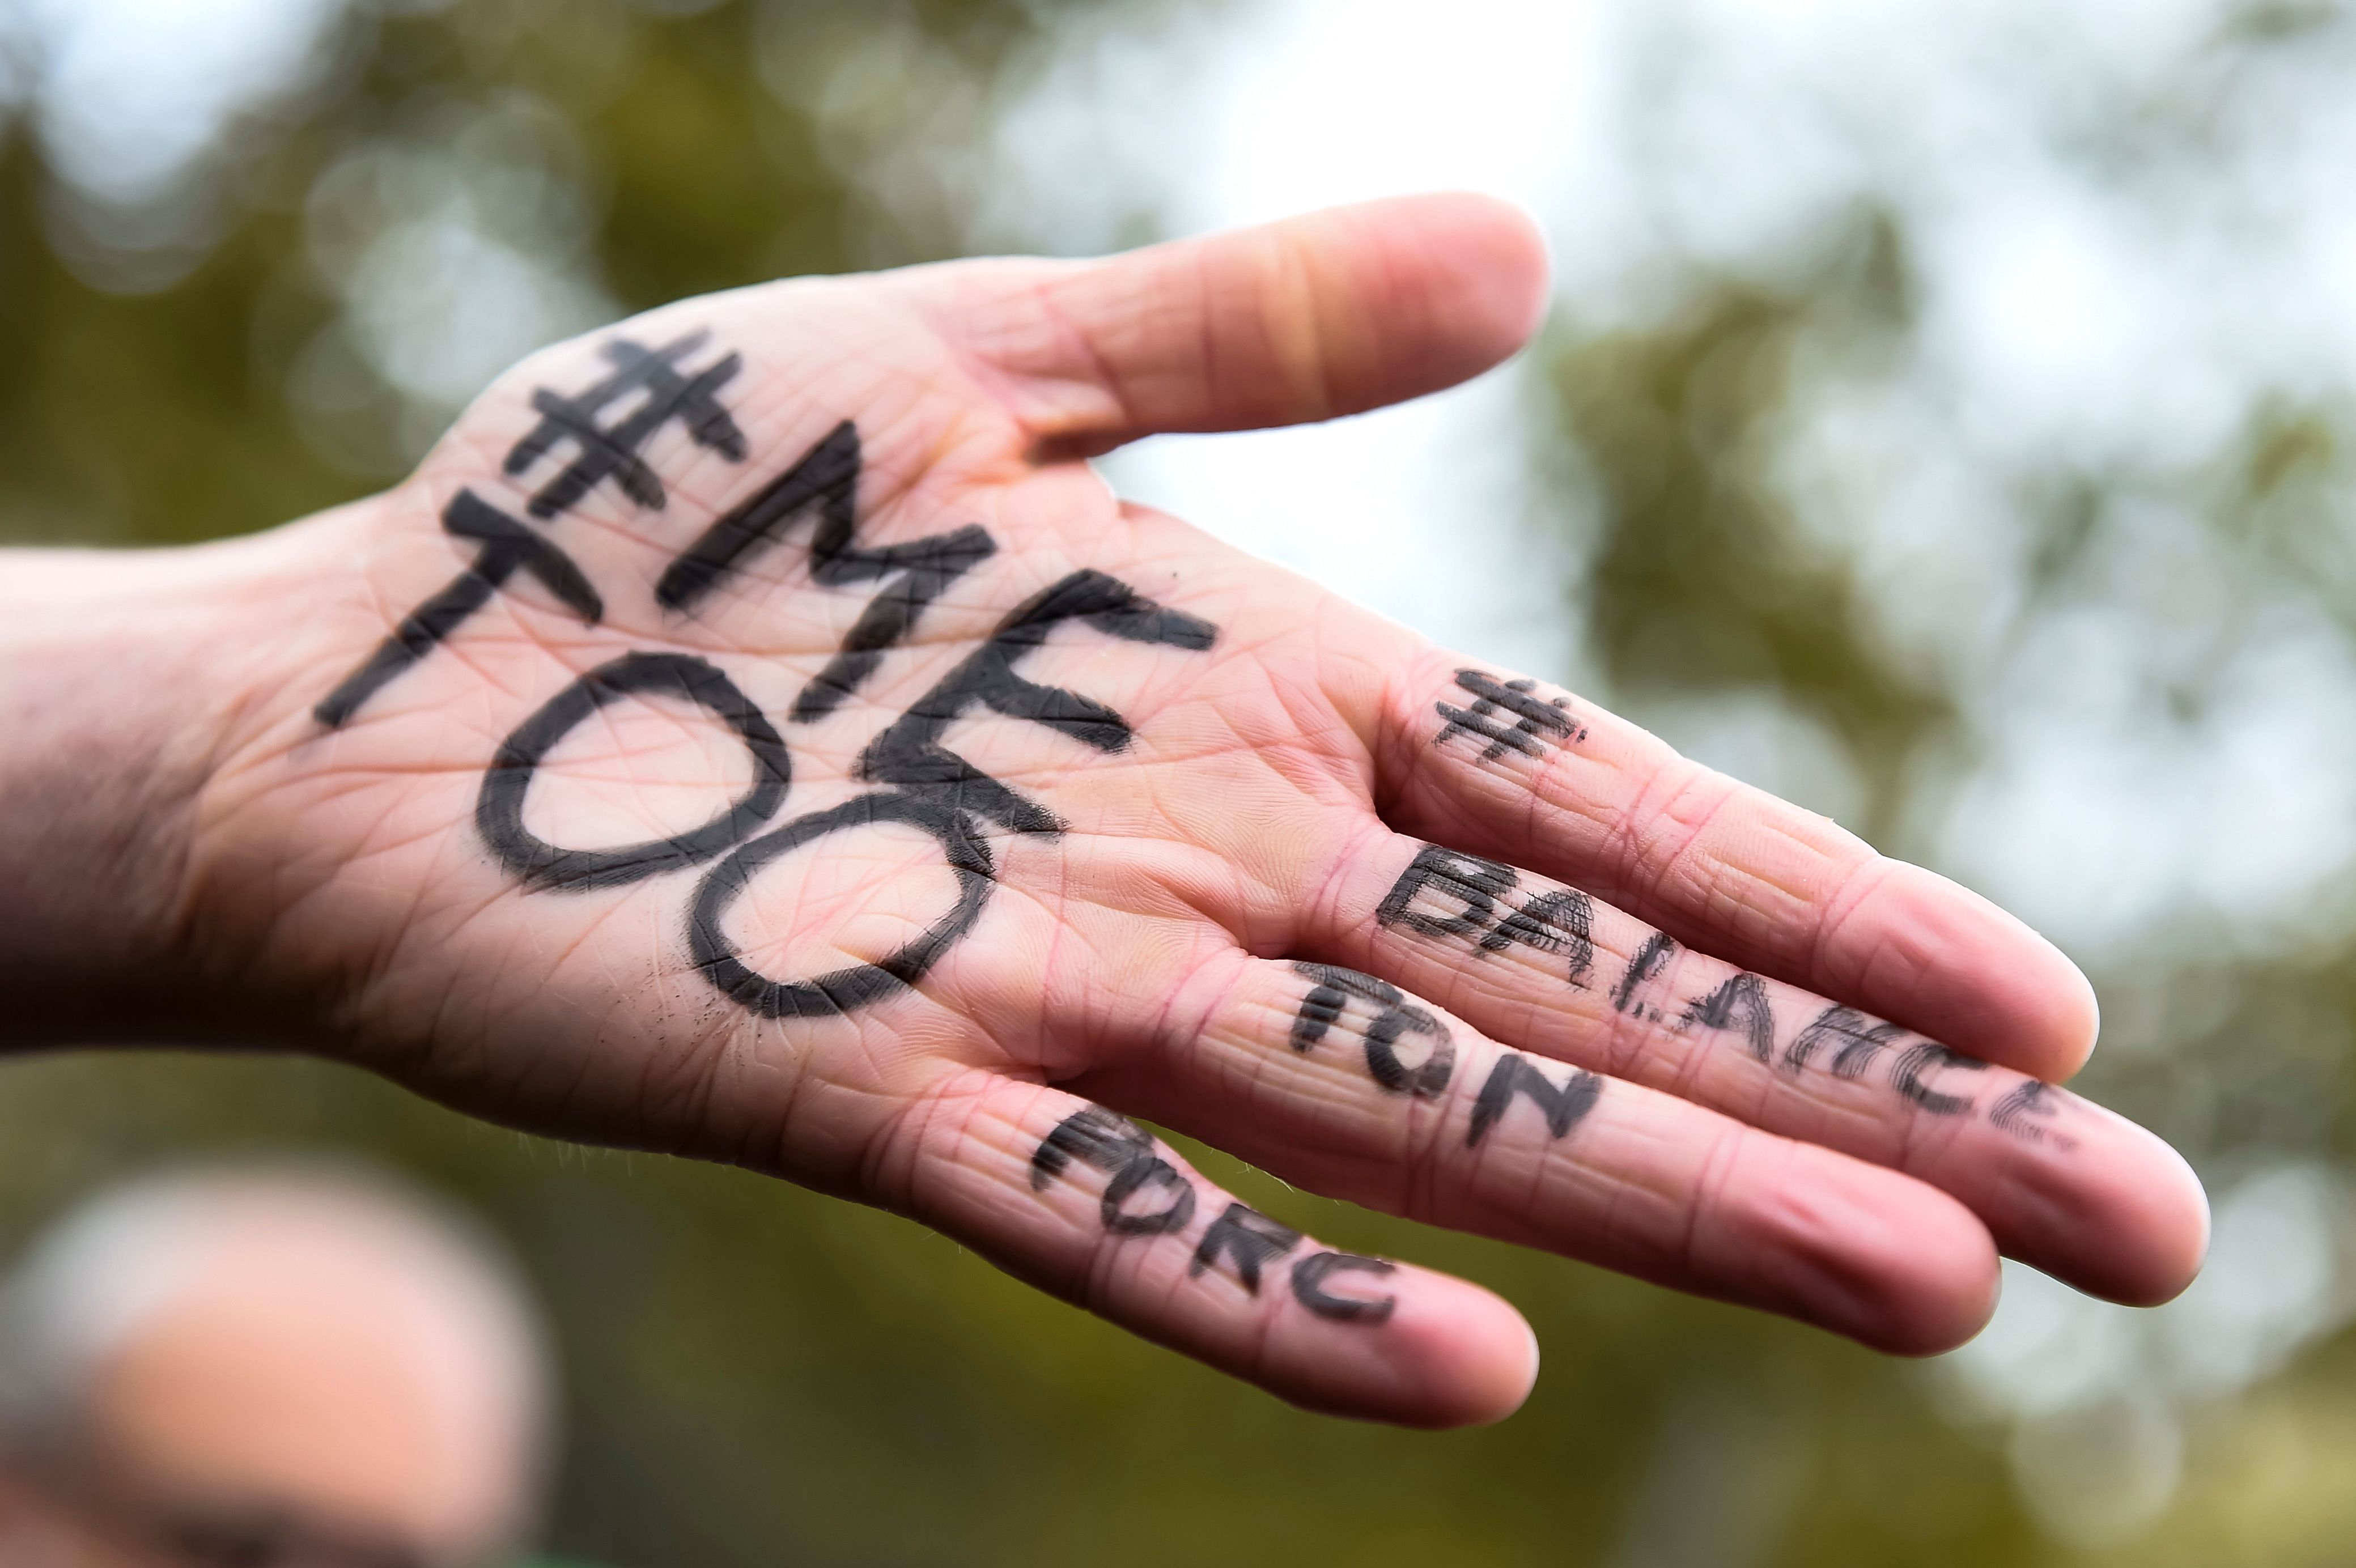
[[1859, 1038], [909, 753], [508, 547], [1740, 1004], [1395, 1016], [1929, 1057], [498, 808], [1470, 881], [1516, 1074], [1122, 1149], [1561, 921], [938, 792], [1248, 1236], [1140, 1176], [827, 479], [1309, 1277], [612, 450], [1103, 1138], [1533, 718], [2027, 1113], [1646, 966], [855, 985]]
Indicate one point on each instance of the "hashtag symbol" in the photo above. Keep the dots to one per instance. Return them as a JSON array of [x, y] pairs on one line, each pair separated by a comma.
[[662, 393], [1492, 701]]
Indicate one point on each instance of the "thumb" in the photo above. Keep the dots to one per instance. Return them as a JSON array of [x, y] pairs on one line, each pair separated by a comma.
[[1315, 316]]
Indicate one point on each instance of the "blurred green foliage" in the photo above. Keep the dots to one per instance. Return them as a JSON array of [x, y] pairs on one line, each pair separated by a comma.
[[760, 1376], [166, 415], [1703, 578], [1710, 574]]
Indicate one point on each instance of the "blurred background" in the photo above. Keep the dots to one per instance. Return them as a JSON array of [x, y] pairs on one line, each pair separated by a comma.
[[1947, 420]]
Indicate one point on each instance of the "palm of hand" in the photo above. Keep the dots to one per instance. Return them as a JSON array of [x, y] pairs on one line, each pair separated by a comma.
[[817, 768]]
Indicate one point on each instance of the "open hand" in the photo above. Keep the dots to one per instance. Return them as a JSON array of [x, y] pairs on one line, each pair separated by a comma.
[[756, 732]]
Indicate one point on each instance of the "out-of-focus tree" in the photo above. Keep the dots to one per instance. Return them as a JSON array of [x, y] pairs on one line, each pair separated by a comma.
[[1984, 417], [229, 312], [1705, 577], [1858, 511], [212, 333]]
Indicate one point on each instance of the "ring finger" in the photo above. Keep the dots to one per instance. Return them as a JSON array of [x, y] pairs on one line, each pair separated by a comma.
[[1339, 1082], [2061, 1183]]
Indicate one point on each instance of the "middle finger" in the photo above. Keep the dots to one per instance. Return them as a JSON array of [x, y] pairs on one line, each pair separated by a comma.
[[1342, 1084], [2061, 1183]]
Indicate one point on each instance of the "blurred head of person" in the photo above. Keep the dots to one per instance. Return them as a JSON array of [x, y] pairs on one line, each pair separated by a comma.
[[267, 1369]]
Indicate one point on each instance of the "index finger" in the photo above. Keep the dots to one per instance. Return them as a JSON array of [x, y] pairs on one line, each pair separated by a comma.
[[1518, 770]]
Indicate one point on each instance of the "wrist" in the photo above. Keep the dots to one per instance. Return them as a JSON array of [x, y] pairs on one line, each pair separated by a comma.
[[119, 685]]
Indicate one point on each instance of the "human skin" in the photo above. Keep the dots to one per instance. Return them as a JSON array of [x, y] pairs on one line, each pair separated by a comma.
[[297, 1363], [1187, 892]]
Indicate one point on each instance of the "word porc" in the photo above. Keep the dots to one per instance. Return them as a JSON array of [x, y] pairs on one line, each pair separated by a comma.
[[920, 782], [1147, 1196]]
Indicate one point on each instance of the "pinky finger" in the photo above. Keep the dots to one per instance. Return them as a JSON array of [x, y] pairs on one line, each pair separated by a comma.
[[1086, 1204]]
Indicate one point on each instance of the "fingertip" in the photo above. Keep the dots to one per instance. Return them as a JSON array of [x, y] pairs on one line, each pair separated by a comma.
[[2054, 1015], [1481, 1354], [1968, 972], [2077, 1021], [2095, 1201], [2167, 1211], [1949, 1293], [1450, 1354], [1487, 261], [1312, 318], [1961, 1309], [1880, 1258], [1408, 295]]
